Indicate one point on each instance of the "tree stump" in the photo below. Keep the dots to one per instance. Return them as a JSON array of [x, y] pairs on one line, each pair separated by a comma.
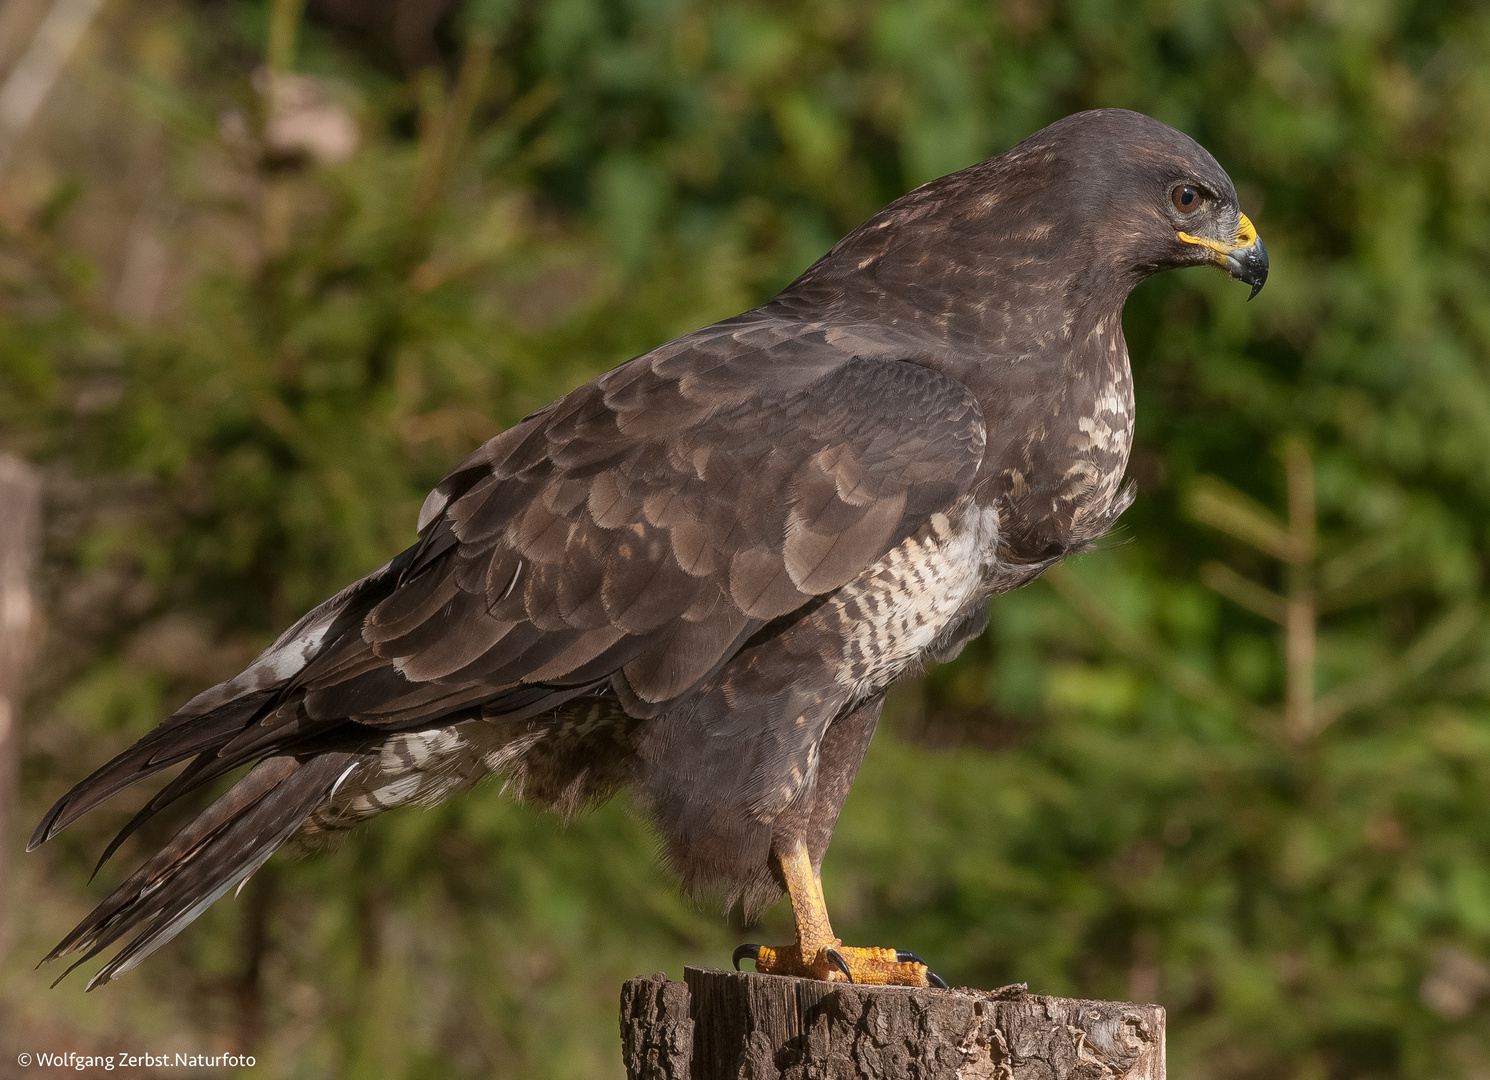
[[728, 1025]]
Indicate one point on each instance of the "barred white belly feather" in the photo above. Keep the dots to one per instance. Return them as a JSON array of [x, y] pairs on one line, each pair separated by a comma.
[[896, 612]]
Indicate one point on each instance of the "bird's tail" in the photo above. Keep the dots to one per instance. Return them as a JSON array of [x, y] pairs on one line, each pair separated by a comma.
[[215, 851]]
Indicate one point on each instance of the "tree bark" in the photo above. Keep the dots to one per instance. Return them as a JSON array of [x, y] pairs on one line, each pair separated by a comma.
[[726, 1025], [20, 531], [656, 1029]]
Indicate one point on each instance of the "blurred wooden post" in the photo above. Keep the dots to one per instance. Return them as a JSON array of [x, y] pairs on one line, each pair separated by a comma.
[[727, 1025], [20, 531]]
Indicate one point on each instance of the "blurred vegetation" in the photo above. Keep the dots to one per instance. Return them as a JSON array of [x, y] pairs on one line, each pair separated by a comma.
[[265, 275]]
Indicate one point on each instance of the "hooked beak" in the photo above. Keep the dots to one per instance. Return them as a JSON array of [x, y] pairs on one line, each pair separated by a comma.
[[1246, 259]]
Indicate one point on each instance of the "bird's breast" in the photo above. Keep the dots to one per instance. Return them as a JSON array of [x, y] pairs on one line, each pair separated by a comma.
[[1099, 442], [1059, 440]]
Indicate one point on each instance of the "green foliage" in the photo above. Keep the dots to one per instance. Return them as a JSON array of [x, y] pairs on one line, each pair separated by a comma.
[[1110, 794]]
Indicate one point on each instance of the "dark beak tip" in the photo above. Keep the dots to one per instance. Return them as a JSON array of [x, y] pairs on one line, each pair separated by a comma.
[[1252, 267]]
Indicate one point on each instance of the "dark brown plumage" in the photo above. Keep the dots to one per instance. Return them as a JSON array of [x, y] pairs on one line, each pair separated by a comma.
[[696, 575]]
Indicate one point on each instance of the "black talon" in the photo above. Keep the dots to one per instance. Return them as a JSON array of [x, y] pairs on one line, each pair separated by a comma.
[[840, 963], [904, 956], [752, 951]]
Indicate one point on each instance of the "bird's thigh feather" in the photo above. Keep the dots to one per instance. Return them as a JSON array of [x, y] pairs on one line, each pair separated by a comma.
[[842, 752]]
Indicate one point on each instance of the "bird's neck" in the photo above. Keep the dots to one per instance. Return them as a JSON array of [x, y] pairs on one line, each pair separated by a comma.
[[987, 310], [1030, 291]]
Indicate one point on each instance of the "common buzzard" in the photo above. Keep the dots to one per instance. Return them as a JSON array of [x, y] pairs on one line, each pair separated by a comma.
[[696, 575]]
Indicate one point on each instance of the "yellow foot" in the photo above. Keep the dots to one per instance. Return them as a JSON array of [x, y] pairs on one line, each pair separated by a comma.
[[838, 963]]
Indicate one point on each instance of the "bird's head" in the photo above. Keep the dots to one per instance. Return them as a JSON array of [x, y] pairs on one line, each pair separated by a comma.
[[1160, 200], [1070, 219]]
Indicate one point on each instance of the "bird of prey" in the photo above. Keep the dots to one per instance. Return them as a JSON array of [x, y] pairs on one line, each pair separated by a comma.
[[696, 576]]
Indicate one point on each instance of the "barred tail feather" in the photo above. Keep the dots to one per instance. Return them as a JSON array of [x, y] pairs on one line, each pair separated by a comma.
[[169, 744], [215, 851], [209, 722]]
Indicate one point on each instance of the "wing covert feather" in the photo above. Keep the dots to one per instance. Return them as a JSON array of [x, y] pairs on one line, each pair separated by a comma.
[[642, 528]]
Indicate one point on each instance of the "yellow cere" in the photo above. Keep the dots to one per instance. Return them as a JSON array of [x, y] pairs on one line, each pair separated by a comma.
[[1246, 236]]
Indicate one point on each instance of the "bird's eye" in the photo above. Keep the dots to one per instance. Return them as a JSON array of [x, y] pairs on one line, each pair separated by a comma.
[[1186, 199]]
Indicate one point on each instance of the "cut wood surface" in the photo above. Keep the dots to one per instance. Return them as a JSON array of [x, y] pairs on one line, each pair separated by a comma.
[[727, 1025]]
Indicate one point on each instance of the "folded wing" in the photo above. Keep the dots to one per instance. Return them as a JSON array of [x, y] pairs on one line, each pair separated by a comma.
[[626, 540]]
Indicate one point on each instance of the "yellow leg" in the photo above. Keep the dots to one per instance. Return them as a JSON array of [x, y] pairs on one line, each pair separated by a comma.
[[818, 954], [809, 909]]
